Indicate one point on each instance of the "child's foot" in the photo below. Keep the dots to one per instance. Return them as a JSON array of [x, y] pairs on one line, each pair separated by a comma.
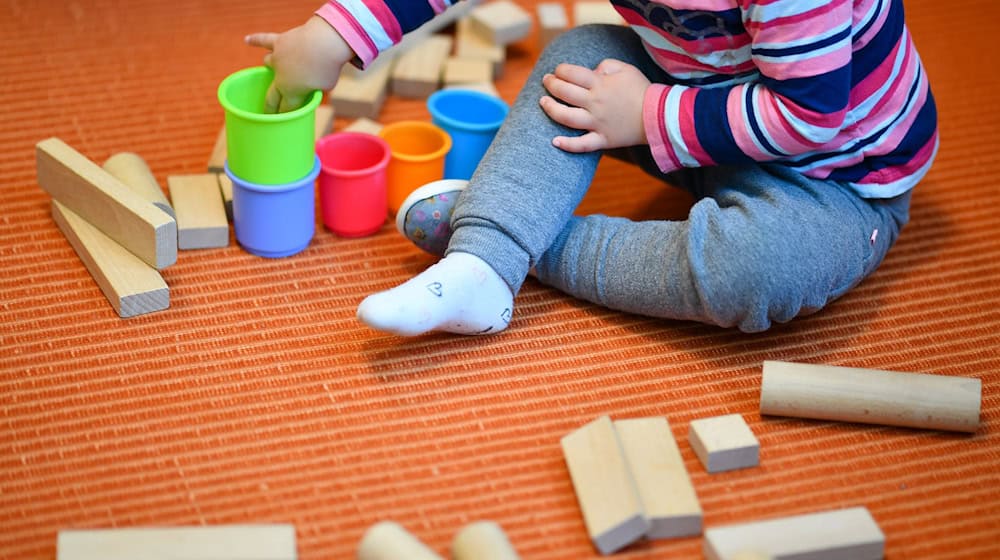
[[460, 294], [424, 216]]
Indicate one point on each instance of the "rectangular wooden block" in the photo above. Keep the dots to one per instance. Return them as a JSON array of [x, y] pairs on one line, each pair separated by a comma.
[[724, 443], [418, 71], [364, 125], [201, 213], [552, 20], [467, 71], [217, 159], [361, 93], [226, 189], [485, 87], [502, 22], [609, 501], [655, 461], [324, 120], [914, 400], [131, 286], [596, 12], [223, 542], [469, 44], [845, 534], [109, 205]]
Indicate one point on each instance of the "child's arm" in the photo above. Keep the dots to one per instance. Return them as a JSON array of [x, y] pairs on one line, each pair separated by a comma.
[[606, 102]]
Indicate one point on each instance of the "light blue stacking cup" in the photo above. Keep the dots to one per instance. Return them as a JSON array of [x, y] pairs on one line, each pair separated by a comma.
[[472, 119], [275, 221]]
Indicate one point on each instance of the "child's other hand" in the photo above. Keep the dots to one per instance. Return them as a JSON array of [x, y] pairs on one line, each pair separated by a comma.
[[304, 59], [606, 102]]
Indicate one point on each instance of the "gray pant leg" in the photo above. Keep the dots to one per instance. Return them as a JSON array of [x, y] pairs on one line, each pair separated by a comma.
[[525, 190], [763, 244]]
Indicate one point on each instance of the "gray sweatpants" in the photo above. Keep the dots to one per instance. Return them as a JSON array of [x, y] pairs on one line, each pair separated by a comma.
[[761, 243]]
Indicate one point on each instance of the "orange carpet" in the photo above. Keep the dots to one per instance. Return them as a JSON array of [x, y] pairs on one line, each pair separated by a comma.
[[257, 396]]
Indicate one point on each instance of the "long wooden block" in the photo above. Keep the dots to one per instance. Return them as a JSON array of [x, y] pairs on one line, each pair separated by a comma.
[[845, 534], [201, 212], [134, 172], [101, 199], [131, 286], [552, 20], [724, 443], [418, 71], [226, 189], [224, 542], [503, 22], [655, 461], [367, 126], [388, 540], [915, 400], [361, 93], [482, 540], [609, 501]]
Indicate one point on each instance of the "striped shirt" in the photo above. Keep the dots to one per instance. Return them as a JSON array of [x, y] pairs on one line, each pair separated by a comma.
[[834, 89]]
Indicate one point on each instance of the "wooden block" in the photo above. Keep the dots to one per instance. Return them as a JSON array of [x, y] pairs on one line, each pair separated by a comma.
[[324, 120], [467, 71], [226, 542], [226, 189], [724, 443], [217, 160], [418, 71], [609, 501], [502, 22], [552, 20], [388, 540], [469, 44], [482, 540], [132, 170], [101, 199], [935, 402], [131, 286], [486, 87], [667, 495], [361, 93], [201, 213], [845, 534], [364, 125], [596, 12]]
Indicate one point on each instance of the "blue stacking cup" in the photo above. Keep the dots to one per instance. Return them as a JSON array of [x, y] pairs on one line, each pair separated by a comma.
[[472, 119], [275, 220]]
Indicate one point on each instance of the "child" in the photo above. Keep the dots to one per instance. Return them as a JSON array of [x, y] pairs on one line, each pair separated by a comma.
[[800, 128]]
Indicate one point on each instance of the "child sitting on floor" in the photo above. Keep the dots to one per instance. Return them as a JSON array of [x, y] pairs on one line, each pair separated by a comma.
[[800, 127]]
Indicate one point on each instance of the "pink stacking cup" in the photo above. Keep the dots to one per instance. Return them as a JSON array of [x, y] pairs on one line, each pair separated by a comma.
[[352, 182]]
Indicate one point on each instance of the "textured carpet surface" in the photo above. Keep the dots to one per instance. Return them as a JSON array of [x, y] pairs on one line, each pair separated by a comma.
[[257, 396]]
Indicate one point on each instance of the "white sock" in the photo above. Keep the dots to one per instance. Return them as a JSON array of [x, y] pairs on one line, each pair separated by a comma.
[[460, 294]]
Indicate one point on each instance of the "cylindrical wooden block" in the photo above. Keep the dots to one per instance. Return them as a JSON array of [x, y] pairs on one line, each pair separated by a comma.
[[388, 540], [869, 396], [131, 169], [482, 540]]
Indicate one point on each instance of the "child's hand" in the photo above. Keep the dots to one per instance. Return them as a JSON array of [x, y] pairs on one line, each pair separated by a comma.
[[304, 59], [606, 102]]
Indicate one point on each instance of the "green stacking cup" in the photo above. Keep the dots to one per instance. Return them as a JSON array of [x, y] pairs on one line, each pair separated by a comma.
[[266, 148]]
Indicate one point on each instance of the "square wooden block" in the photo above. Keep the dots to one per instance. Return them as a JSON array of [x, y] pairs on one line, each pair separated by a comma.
[[724, 443]]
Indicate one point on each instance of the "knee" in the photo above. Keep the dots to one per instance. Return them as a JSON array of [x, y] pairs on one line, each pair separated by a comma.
[[585, 45]]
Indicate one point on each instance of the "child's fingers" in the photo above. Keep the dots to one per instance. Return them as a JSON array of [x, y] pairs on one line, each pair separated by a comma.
[[291, 103], [265, 40], [573, 117], [272, 100], [566, 91], [578, 75], [589, 142]]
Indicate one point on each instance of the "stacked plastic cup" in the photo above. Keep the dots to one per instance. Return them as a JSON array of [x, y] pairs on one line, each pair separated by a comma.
[[271, 159]]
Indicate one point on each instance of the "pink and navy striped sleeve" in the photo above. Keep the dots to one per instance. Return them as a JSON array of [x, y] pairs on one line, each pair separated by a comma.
[[372, 26], [834, 89]]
